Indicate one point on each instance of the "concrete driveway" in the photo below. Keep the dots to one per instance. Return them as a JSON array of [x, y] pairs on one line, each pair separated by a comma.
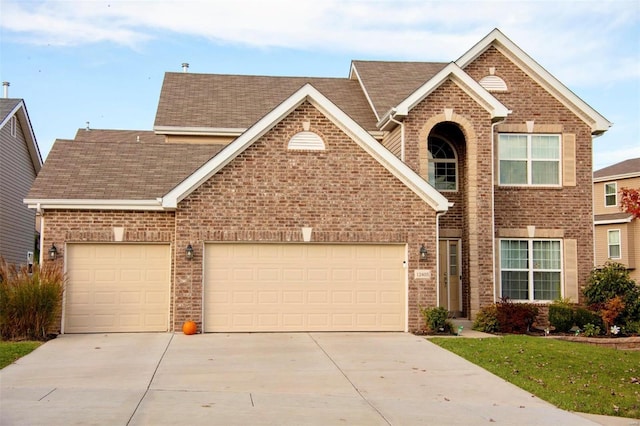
[[260, 379]]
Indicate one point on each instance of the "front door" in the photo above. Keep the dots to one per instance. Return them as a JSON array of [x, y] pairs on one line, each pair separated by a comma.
[[450, 294]]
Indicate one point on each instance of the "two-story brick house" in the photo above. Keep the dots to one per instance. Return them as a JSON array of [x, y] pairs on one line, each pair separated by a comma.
[[298, 204], [617, 234]]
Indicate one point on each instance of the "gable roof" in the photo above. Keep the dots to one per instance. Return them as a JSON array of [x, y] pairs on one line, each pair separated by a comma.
[[496, 38], [16, 107], [622, 170], [309, 93], [118, 136], [228, 104], [387, 83], [99, 175]]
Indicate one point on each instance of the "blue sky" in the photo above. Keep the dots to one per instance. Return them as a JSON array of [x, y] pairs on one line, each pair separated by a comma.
[[103, 61]]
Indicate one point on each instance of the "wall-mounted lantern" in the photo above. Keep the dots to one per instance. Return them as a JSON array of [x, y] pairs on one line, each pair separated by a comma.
[[189, 252], [53, 252], [423, 252]]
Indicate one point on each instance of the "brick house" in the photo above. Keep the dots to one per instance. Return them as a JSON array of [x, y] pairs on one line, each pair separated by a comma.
[[617, 234], [299, 204]]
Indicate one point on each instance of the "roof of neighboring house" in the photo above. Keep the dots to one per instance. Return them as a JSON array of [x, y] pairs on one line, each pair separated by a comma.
[[14, 106], [215, 101], [603, 219], [389, 83], [118, 136], [116, 171], [624, 169]]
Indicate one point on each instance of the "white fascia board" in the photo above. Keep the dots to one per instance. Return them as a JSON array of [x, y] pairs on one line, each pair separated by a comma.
[[354, 71], [613, 221], [465, 82], [617, 177], [199, 131], [598, 123], [307, 92], [392, 163], [87, 204]]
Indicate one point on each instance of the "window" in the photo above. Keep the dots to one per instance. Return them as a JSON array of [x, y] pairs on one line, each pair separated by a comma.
[[531, 269], [527, 159], [610, 194], [442, 165], [613, 242]]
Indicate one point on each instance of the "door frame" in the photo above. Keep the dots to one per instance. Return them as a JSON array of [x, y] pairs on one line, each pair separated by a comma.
[[447, 266]]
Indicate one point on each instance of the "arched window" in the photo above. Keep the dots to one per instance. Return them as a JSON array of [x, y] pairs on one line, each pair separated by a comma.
[[443, 165]]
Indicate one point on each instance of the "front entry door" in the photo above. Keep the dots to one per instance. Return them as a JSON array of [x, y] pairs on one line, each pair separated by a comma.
[[450, 295]]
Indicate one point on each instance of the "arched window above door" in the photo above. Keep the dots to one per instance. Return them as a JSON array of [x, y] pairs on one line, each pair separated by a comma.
[[443, 165]]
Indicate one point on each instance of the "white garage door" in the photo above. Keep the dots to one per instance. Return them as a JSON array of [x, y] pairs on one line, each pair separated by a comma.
[[304, 287], [117, 288]]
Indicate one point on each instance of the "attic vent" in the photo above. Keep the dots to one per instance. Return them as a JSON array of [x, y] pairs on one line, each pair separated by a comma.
[[493, 83], [307, 141]]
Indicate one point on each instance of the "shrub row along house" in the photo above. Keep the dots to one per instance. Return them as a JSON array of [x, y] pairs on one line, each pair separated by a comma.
[[296, 204]]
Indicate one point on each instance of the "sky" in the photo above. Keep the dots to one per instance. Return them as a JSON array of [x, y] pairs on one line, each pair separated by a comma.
[[75, 61]]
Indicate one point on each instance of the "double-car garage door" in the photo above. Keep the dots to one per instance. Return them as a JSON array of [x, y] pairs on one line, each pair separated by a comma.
[[247, 287]]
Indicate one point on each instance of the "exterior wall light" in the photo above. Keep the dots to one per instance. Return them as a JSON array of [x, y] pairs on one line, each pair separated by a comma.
[[423, 252], [189, 252], [53, 252]]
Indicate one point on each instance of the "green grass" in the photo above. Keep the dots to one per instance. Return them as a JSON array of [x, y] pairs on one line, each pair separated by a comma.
[[572, 376], [11, 351]]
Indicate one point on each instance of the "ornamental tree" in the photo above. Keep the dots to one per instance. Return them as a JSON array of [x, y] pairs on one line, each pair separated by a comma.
[[630, 201]]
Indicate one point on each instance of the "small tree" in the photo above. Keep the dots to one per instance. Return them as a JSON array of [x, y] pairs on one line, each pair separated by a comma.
[[630, 201], [611, 281]]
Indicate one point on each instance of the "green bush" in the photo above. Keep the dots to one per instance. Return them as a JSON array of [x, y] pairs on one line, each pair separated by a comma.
[[515, 318], [435, 318], [29, 302], [591, 330], [609, 281], [487, 320], [583, 316], [561, 316]]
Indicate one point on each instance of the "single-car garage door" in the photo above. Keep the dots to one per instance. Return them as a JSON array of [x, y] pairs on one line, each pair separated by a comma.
[[304, 287], [117, 288]]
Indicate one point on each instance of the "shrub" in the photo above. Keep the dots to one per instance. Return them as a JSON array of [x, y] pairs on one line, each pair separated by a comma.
[[613, 280], [611, 311], [515, 317], [487, 319], [591, 330], [583, 316], [29, 302], [435, 318], [561, 316]]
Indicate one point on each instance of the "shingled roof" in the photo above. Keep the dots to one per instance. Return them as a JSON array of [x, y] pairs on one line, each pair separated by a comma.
[[118, 136], [216, 101], [389, 83], [116, 171], [6, 106], [623, 168]]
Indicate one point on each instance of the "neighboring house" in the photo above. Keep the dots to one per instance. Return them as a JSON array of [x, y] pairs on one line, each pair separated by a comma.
[[617, 234], [20, 162], [300, 204]]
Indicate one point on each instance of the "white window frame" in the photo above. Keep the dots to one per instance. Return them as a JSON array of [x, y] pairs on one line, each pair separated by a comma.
[[454, 161], [531, 268], [530, 160], [609, 245], [615, 194], [13, 125]]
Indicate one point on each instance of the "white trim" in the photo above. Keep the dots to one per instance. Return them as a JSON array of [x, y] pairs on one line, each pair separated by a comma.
[[309, 93], [613, 221], [88, 204], [598, 123], [354, 71], [199, 131], [609, 231], [615, 194], [617, 177]]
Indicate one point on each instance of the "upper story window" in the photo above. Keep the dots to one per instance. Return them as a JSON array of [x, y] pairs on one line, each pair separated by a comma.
[[531, 269], [443, 165], [610, 194], [613, 244], [13, 124], [529, 159]]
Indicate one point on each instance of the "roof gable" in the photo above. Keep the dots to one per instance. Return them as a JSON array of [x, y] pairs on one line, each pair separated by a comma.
[[496, 38], [16, 107], [308, 93]]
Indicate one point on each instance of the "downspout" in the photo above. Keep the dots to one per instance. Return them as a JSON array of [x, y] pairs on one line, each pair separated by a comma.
[[493, 207], [40, 213], [401, 124]]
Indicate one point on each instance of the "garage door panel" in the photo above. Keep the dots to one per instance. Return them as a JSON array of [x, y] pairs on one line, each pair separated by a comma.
[[117, 288], [304, 287]]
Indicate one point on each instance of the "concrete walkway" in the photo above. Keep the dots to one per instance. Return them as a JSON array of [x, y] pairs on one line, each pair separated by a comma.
[[260, 379]]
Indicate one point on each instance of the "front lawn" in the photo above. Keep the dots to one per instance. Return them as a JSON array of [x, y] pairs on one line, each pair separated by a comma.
[[572, 376], [11, 351]]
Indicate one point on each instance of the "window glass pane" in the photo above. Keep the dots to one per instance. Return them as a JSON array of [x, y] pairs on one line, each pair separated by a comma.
[[439, 149], [515, 285], [546, 285], [614, 237], [513, 172], [610, 190], [614, 252], [512, 147], [545, 172], [546, 255], [514, 254], [614, 244], [545, 147]]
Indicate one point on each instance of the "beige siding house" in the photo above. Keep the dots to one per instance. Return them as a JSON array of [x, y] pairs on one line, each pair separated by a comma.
[[20, 163], [617, 234], [323, 204]]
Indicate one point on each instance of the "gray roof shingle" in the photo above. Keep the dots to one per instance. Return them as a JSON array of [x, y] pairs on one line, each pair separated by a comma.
[[118, 136], [6, 106], [622, 168]]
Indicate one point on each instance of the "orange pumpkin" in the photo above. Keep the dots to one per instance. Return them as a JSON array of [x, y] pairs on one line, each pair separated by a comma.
[[189, 327]]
